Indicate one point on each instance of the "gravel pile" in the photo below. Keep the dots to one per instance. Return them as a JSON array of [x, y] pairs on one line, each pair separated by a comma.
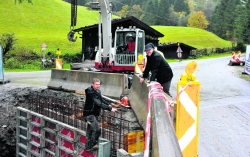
[[11, 96]]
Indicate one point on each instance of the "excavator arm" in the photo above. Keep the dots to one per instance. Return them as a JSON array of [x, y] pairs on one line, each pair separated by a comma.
[[106, 36]]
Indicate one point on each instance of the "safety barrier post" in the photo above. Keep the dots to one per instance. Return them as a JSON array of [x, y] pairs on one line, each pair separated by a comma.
[[58, 64], [139, 65], [187, 111]]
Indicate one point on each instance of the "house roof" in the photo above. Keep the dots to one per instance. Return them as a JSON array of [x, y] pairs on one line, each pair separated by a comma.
[[126, 22]]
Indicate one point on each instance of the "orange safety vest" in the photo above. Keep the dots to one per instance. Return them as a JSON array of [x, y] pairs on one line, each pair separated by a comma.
[[131, 46]]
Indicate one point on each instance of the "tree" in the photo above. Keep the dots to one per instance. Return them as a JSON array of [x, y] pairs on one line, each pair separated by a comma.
[[242, 22], [136, 11], [124, 11], [163, 12], [150, 14], [198, 20], [181, 6], [173, 17], [7, 41], [183, 20], [223, 19]]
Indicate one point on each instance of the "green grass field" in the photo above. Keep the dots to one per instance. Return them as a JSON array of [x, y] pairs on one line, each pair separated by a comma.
[[46, 21], [195, 37]]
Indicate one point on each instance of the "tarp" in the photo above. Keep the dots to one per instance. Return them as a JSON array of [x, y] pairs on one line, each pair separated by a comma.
[[1, 63], [247, 61]]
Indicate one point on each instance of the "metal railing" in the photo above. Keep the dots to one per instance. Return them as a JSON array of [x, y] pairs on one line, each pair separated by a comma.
[[124, 59]]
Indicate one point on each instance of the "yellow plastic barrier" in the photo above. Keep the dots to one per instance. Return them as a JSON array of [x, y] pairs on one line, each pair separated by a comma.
[[58, 64], [135, 141], [187, 111]]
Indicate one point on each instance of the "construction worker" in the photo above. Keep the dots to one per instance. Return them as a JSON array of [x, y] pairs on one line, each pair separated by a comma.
[[93, 105], [160, 69], [130, 47]]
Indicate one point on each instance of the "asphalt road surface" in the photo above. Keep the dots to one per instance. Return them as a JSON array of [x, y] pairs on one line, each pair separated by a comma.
[[224, 122]]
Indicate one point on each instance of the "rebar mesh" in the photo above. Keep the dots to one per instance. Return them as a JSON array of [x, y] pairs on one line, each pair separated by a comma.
[[70, 111]]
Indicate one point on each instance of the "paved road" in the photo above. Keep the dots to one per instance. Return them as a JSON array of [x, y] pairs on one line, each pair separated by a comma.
[[224, 124], [40, 78]]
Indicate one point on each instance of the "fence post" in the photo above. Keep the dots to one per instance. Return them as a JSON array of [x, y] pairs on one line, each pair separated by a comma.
[[187, 111]]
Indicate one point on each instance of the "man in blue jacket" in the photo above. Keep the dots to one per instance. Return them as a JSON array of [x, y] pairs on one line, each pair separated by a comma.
[[160, 69], [93, 105]]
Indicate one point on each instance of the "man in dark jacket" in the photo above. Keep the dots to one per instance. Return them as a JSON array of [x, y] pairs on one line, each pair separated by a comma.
[[160, 69], [93, 104]]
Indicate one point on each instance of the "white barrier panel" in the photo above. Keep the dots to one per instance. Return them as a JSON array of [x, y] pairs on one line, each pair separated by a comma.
[[38, 135], [247, 61]]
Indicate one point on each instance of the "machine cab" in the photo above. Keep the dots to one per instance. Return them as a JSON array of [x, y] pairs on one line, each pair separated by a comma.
[[129, 44]]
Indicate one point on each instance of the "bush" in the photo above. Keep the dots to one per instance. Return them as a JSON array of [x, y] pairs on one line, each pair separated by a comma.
[[240, 47], [12, 63], [72, 58]]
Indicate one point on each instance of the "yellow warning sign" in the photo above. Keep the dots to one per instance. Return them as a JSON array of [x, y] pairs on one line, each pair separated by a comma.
[[187, 112]]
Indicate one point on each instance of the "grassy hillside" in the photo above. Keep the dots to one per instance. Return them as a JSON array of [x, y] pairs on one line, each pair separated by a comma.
[[195, 37], [48, 21], [44, 21]]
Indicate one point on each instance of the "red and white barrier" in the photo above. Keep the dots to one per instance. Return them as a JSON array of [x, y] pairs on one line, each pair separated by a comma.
[[155, 91]]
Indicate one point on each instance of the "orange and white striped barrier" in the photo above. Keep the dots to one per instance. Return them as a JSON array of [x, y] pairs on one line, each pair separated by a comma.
[[58, 64], [238, 55], [233, 56], [187, 111]]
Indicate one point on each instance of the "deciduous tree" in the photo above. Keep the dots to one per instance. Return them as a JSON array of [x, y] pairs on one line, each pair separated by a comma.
[[198, 20], [124, 11]]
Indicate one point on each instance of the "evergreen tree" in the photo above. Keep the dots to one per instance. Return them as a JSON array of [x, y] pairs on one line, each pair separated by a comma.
[[163, 12], [223, 19], [173, 17], [247, 31], [171, 2], [181, 6], [241, 23], [150, 11]]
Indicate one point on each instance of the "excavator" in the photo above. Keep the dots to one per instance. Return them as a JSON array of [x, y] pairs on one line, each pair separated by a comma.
[[113, 59], [115, 65]]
